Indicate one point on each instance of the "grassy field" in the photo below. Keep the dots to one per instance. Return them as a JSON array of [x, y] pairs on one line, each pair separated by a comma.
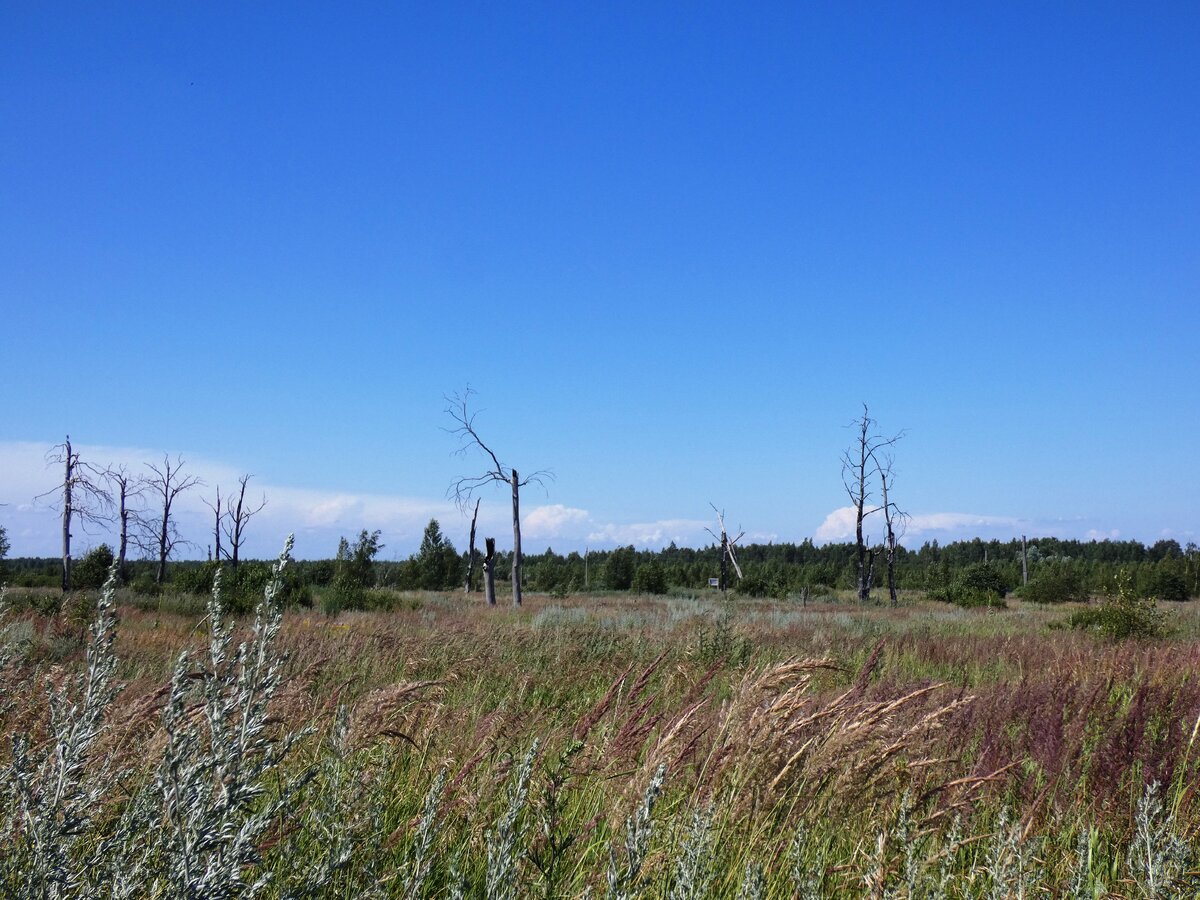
[[602, 745]]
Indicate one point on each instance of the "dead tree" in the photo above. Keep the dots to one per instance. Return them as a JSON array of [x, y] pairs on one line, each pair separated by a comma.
[[857, 464], [83, 498], [727, 545], [463, 489], [237, 515], [471, 552], [489, 571], [218, 515], [165, 484], [895, 520], [126, 491]]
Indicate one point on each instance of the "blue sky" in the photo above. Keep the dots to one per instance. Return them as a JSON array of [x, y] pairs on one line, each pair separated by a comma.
[[673, 248]]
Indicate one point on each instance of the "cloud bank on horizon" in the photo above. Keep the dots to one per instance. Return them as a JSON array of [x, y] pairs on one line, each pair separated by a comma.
[[318, 517]]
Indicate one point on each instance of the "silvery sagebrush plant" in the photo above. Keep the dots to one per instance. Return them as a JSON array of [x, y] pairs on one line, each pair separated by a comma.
[[1158, 858], [503, 841], [51, 793], [213, 776], [1080, 886], [694, 866], [754, 883], [1010, 861], [625, 876], [808, 875]]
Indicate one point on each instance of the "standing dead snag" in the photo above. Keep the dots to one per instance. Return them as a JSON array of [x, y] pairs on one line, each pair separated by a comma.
[[489, 571], [857, 463], [471, 552], [83, 498], [895, 520], [165, 484], [464, 488], [727, 545], [237, 515], [128, 491]]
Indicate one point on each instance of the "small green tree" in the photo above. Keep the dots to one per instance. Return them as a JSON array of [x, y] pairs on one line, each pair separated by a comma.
[[92, 570], [618, 570], [437, 562], [1056, 583], [1165, 584], [649, 579], [353, 572]]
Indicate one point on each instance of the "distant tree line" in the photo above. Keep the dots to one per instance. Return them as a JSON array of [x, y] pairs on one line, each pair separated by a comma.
[[1165, 568]]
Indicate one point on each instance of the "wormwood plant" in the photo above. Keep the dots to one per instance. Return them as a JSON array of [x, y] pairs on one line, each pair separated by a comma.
[[197, 827], [625, 875], [48, 794]]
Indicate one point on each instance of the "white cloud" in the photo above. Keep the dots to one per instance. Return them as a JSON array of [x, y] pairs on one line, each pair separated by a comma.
[[554, 520], [1097, 534], [840, 525], [688, 532]]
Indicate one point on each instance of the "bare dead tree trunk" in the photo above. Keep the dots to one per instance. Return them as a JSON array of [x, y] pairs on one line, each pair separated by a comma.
[[727, 545], [1024, 561], [218, 514], [126, 489], [463, 488], [894, 520], [489, 571], [724, 579], [855, 478], [68, 480], [471, 552], [237, 516], [83, 499], [516, 560], [123, 536]]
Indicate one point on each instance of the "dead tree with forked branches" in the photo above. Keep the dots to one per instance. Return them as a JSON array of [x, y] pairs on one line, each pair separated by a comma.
[[238, 514], [126, 491], [165, 484], [83, 498], [858, 467], [463, 489]]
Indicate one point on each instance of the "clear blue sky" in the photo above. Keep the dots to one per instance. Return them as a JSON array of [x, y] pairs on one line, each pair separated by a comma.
[[672, 247]]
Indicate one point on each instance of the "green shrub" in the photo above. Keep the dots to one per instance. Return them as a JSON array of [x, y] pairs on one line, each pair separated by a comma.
[[1055, 585], [967, 597], [977, 586], [649, 579], [982, 577], [1123, 615], [92, 571], [754, 586]]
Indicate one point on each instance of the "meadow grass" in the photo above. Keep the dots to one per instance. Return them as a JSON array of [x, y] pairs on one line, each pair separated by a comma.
[[609, 745]]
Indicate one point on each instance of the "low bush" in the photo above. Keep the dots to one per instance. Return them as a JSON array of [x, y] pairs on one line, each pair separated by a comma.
[[967, 597], [649, 579], [1056, 585], [982, 577], [1123, 615]]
